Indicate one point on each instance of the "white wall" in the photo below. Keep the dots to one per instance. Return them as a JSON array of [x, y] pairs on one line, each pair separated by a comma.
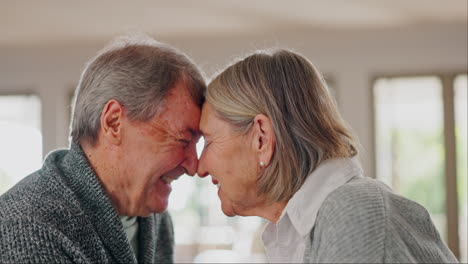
[[351, 58]]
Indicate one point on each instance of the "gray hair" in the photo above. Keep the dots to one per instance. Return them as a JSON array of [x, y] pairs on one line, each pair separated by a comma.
[[137, 71], [288, 89]]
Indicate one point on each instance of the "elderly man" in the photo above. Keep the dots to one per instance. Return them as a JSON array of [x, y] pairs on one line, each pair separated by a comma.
[[134, 130]]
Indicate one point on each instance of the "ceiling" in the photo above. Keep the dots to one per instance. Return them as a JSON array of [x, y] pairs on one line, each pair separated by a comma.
[[47, 21]]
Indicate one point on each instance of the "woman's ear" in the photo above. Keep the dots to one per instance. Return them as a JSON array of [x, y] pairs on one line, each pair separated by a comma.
[[111, 122], [263, 139]]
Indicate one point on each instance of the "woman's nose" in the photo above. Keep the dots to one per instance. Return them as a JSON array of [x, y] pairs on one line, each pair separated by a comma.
[[202, 171]]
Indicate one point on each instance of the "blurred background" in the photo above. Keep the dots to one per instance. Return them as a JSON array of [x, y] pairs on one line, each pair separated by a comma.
[[398, 70]]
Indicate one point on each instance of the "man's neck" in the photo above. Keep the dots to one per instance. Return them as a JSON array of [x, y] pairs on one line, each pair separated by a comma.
[[96, 159], [101, 164]]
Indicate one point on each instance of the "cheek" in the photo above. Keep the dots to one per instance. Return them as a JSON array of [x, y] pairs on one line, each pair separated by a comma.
[[245, 164], [226, 162], [169, 157], [221, 165], [155, 161]]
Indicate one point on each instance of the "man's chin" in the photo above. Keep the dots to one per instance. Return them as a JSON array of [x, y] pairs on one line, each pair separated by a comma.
[[157, 204], [157, 199]]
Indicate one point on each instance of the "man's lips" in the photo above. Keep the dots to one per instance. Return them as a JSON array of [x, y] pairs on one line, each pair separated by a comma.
[[173, 175]]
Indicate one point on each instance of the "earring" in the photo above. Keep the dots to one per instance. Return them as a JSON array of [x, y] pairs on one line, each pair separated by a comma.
[[262, 163]]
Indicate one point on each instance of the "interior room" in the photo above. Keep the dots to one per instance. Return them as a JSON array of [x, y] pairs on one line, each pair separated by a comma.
[[397, 70]]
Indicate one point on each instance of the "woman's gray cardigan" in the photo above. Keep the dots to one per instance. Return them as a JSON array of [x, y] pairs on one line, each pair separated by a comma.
[[60, 214], [363, 221]]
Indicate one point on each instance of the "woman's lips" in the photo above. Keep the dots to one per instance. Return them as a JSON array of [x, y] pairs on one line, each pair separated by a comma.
[[215, 182]]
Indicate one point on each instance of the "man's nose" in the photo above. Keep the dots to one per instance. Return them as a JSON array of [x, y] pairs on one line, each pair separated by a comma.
[[191, 161]]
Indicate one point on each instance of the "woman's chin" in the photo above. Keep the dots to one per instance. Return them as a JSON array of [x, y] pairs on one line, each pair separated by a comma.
[[227, 209]]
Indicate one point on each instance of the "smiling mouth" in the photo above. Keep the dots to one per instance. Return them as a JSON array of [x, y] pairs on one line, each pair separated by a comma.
[[215, 182], [172, 175], [167, 180]]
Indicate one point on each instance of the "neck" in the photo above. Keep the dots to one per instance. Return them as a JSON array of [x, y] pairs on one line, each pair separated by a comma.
[[271, 212], [99, 158], [96, 159]]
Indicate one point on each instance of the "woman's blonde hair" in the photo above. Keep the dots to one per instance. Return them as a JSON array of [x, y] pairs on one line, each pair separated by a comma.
[[288, 89]]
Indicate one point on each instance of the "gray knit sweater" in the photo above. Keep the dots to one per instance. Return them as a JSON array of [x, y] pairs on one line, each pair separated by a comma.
[[60, 213], [363, 221]]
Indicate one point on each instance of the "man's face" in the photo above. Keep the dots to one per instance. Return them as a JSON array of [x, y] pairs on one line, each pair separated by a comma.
[[156, 152]]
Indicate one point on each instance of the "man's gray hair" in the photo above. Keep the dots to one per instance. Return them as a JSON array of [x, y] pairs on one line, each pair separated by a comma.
[[137, 71]]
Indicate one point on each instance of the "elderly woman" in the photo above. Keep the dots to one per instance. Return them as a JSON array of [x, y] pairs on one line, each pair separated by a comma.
[[277, 148]]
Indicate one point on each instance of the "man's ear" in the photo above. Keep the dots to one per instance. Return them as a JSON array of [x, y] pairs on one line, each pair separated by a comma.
[[263, 139], [111, 121]]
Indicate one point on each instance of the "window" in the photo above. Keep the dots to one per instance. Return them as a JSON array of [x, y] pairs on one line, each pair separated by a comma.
[[409, 134], [20, 138], [416, 134], [461, 132]]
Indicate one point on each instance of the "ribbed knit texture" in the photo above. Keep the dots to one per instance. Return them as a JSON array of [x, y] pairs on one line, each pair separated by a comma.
[[363, 221], [60, 213]]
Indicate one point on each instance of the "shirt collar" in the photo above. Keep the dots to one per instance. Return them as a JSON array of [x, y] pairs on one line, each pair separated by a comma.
[[128, 221], [301, 210]]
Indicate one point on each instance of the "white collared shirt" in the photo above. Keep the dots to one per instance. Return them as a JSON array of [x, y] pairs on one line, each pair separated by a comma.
[[286, 240]]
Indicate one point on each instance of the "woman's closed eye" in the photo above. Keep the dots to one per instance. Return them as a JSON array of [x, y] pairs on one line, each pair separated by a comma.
[[207, 144]]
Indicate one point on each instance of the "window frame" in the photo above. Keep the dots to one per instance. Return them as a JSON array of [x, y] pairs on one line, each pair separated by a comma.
[[27, 91], [450, 162]]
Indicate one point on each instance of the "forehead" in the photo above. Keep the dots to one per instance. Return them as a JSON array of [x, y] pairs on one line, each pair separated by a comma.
[[210, 123], [180, 113], [206, 115], [179, 94]]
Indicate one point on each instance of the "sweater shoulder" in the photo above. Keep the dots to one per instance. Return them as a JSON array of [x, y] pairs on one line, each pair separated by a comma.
[[360, 196], [372, 197], [365, 220], [351, 224], [42, 196], [25, 240]]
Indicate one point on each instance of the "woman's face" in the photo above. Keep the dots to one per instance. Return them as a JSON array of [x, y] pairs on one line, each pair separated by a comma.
[[229, 157]]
